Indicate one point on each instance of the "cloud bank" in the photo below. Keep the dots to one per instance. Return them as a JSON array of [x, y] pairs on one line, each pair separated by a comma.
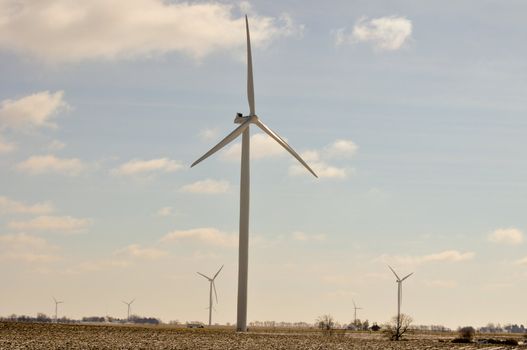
[[71, 31]]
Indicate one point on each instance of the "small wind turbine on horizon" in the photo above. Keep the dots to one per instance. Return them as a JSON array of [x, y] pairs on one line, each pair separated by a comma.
[[355, 312], [243, 129], [211, 287], [399, 282], [129, 307], [57, 302]]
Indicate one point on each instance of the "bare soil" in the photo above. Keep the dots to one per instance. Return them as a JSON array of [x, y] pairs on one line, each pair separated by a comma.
[[81, 336]]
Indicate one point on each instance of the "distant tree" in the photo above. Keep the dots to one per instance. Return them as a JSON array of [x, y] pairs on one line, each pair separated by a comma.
[[465, 335], [396, 328], [375, 327], [42, 317], [325, 322]]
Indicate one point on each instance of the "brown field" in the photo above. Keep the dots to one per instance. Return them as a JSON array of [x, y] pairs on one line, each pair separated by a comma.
[[75, 336]]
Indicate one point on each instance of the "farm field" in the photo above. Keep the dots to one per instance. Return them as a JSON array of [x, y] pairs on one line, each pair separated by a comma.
[[74, 336]]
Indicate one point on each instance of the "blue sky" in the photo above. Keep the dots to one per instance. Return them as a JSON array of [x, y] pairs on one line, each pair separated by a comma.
[[412, 112]]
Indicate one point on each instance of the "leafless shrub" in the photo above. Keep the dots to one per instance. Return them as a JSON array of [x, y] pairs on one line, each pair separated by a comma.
[[397, 327]]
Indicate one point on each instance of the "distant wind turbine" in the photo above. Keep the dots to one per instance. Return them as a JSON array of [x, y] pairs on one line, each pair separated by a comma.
[[129, 307], [57, 302], [355, 312], [399, 282], [211, 287], [243, 129]]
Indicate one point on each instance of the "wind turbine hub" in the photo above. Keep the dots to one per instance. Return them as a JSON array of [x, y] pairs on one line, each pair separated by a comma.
[[240, 118]]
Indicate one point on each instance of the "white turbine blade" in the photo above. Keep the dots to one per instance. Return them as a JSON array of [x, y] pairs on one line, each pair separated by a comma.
[[217, 273], [235, 133], [207, 277], [55, 300], [250, 84], [407, 276], [132, 301], [124, 302], [398, 279], [355, 306], [284, 144], [215, 293]]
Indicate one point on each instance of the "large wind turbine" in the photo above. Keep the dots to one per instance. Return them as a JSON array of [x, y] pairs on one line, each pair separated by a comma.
[[399, 282], [57, 302], [129, 306], [212, 286], [355, 312], [243, 129]]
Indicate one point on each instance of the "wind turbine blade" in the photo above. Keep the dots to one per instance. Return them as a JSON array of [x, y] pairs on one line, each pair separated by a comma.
[[215, 293], [217, 273], [250, 84], [407, 276], [234, 134], [398, 279], [124, 302], [355, 306], [55, 300], [284, 144], [207, 277], [132, 301]]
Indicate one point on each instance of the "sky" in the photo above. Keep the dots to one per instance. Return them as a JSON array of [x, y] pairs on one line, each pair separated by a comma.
[[411, 112]]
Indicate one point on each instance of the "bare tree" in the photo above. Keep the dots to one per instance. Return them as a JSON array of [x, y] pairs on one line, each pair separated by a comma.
[[325, 322], [398, 326]]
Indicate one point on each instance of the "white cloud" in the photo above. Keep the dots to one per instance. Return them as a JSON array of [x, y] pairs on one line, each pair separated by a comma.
[[320, 167], [6, 147], [165, 211], [384, 33], [444, 256], [65, 31], [207, 186], [208, 134], [66, 224], [13, 207], [139, 167], [302, 236], [522, 261], [511, 236], [136, 251], [206, 235], [27, 248], [33, 111], [36, 165], [262, 146], [342, 148], [23, 240], [56, 145], [317, 160]]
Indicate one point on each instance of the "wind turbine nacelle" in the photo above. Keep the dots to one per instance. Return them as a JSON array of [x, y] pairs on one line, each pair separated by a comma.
[[240, 118]]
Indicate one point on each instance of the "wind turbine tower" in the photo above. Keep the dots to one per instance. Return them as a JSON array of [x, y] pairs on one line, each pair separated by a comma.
[[399, 282], [211, 287], [245, 122], [129, 307], [57, 302], [355, 312]]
